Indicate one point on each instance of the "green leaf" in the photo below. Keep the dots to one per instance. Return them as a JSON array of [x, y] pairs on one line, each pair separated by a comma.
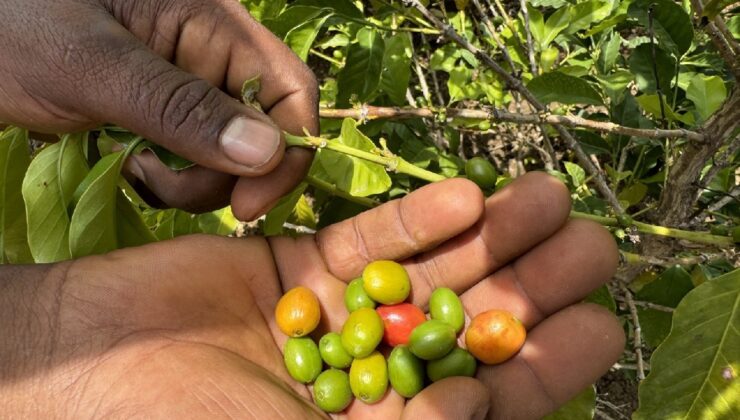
[[584, 14], [360, 76], [264, 9], [301, 38], [92, 229], [667, 289], [340, 7], [609, 53], [633, 194], [602, 296], [279, 214], [641, 65], [615, 84], [713, 7], [130, 226], [577, 174], [14, 160], [671, 24], [220, 222], [544, 32], [582, 407], [355, 176], [396, 73], [559, 87], [707, 93], [303, 214], [651, 104], [294, 17], [48, 186], [694, 372], [555, 4]]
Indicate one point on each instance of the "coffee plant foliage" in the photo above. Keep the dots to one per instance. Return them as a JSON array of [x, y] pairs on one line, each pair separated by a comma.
[[641, 64]]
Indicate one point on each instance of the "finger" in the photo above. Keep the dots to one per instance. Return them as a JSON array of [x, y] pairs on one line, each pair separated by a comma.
[[562, 356], [245, 49], [220, 42], [254, 196], [517, 218], [401, 228], [196, 189], [451, 398], [556, 273], [178, 110]]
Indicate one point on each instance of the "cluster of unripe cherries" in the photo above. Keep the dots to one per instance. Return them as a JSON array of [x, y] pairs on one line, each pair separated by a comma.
[[419, 350]]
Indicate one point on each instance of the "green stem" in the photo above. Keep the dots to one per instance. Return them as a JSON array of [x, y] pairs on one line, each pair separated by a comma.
[[391, 162], [323, 56], [700, 237], [333, 190]]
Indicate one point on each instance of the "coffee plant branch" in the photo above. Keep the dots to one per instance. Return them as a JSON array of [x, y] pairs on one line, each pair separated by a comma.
[[726, 46], [636, 329], [516, 84], [397, 164], [367, 112]]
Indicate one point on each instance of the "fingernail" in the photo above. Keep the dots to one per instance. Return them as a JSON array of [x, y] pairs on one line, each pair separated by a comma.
[[250, 142]]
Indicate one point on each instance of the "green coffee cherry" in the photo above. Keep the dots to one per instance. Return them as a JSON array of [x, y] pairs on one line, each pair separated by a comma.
[[331, 391], [332, 351], [481, 172], [355, 296], [458, 362], [302, 359], [362, 332], [446, 306], [406, 372], [432, 340], [368, 378]]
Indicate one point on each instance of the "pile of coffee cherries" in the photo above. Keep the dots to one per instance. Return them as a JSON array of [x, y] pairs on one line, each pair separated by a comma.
[[419, 350]]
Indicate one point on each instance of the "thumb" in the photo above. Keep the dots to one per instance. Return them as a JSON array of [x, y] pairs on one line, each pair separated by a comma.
[[452, 398], [180, 111]]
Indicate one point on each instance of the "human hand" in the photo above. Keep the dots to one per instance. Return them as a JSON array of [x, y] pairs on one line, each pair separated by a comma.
[[155, 67], [185, 328]]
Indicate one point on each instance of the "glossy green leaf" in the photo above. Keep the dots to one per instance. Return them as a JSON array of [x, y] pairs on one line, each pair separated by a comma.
[[713, 7], [651, 104], [264, 9], [584, 14], [602, 296], [694, 372], [130, 226], [279, 214], [303, 214], [294, 17], [667, 290], [641, 65], [609, 52], [92, 228], [582, 407], [355, 176], [301, 38], [48, 187], [544, 32], [614, 85], [360, 77], [340, 7], [397, 67], [633, 194], [559, 87], [14, 160], [707, 93], [671, 24], [577, 174], [220, 222]]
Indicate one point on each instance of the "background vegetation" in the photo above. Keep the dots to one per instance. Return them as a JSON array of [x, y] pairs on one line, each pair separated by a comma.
[[632, 103]]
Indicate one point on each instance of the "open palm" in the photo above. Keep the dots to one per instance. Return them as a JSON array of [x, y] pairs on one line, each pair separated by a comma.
[[185, 328]]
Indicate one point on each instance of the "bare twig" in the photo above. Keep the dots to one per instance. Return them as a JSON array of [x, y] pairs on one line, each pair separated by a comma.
[[721, 162], [614, 408], [530, 44], [733, 195], [724, 46], [516, 84], [376, 113], [636, 331], [647, 305], [631, 258]]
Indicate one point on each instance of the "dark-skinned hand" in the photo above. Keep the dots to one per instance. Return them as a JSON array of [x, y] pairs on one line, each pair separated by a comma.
[[185, 328], [169, 71]]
